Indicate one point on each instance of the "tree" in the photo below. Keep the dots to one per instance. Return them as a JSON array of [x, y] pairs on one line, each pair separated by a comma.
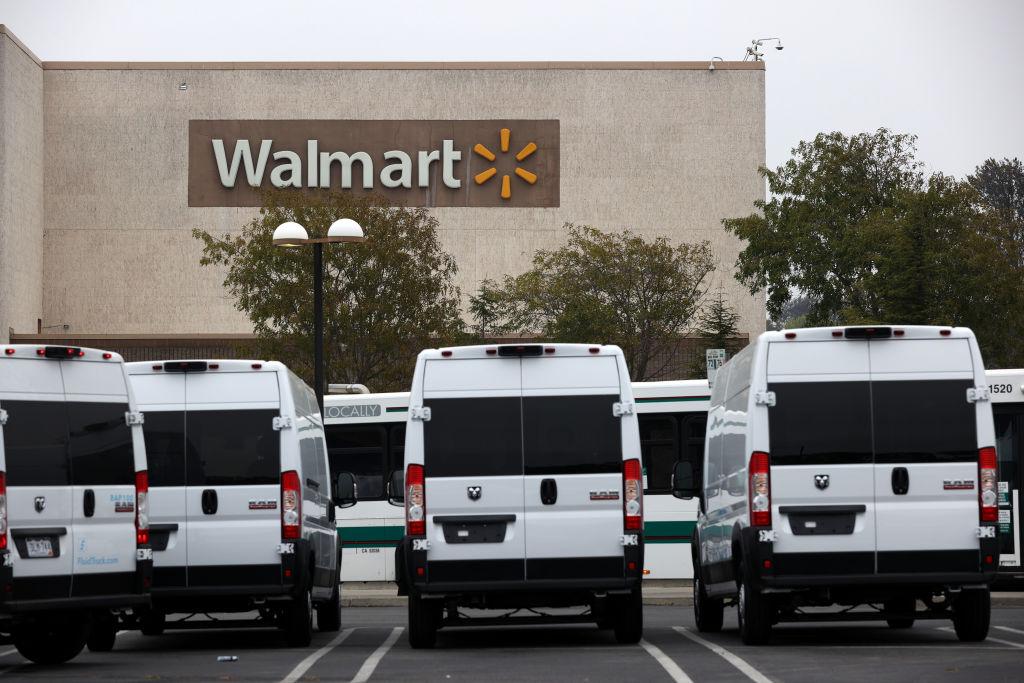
[[384, 299], [1001, 186], [854, 226], [717, 328], [600, 287]]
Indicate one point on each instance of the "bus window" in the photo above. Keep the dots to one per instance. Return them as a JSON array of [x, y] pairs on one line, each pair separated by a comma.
[[693, 428], [396, 444], [659, 449], [359, 450], [1009, 424]]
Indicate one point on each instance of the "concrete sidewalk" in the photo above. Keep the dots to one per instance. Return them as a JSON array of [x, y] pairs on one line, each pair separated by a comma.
[[656, 592]]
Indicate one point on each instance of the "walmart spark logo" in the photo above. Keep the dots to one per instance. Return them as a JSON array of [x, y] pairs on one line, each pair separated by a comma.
[[506, 181]]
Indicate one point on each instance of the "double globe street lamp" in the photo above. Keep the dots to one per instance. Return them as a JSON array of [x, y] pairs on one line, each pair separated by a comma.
[[291, 234]]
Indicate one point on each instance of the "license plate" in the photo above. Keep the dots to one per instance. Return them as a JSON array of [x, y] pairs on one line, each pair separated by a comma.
[[39, 547]]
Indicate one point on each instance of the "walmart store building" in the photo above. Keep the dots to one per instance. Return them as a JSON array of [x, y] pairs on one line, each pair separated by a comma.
[[106, 168]]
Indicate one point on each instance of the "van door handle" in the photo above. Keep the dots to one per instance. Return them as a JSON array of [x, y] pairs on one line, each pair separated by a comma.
[[209, 502], [89, 503], [548, 491], [900, 481]]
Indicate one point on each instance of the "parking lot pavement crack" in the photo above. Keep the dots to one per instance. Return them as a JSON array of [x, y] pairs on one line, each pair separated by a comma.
[[303, 666], [745, 668], [670, 667], [368, 667]]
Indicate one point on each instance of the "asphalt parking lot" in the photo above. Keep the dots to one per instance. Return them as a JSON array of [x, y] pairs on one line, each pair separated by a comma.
[[372, 646]]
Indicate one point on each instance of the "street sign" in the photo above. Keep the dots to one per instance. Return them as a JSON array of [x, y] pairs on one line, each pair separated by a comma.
[[715, 358]]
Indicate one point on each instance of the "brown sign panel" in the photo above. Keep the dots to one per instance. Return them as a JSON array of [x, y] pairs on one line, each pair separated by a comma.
[[500, 162]]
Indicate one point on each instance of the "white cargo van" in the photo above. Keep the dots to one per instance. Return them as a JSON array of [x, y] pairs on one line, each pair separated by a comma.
[[522, 487], [848, 466], [242, 504], [73, 512]]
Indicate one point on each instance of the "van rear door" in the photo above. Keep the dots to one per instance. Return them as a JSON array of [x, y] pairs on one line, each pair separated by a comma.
[[926, 455], [473, 466], [233, 478], [822, 472]]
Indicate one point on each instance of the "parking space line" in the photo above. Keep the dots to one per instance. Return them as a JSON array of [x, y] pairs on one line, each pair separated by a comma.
[[8, 652], [1004, 628], [670, 667], [303, 666], [1012, 644], [738, 662], [368, 667]]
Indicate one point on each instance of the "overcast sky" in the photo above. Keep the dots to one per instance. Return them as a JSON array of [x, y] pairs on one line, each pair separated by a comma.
[[946, 70]]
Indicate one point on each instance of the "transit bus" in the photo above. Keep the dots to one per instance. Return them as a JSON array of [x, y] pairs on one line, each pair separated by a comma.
[[366, 436]]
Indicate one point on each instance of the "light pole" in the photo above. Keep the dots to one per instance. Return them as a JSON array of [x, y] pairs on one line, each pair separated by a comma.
[[291, 234]]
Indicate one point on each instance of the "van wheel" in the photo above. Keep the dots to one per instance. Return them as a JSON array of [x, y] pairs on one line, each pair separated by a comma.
[[755, 613], [152, 623], [53, 641], [972, 611], [707, 612], [629, 617], [424, 618], [903, 605], [103, 633], [298, 620], [328, 614]]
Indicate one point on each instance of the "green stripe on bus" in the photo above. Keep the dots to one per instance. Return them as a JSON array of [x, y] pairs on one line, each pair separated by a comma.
[[389, 536], [398, 410], [673, 399]]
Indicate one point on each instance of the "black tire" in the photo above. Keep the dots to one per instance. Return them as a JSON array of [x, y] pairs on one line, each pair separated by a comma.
[[972, 612], [424, 619], [755, 613], [629, 617], [328, 614], [102, 634], [53, 641], [904, 606], [298, 620], [709, 613], [152, 623]]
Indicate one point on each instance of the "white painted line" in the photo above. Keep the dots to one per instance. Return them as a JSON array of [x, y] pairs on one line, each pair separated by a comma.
[[309, 661], [1004, 628], [1016, 646], [8, 652], [741, 664], [368, 667], [670, 667]]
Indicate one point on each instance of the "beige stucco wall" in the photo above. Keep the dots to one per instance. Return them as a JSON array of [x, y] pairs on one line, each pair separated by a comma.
[[661, 152], [21, 188]]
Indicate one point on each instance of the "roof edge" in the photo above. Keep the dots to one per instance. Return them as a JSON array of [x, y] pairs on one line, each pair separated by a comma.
[[31, 55], [402, 66]]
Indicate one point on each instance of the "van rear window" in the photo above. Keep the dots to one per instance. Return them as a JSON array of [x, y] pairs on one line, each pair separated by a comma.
[[473, 437], [924, 421], [820, 423], [101, 444], [232, 448], [35, 443], [165, 447], [571, 435]]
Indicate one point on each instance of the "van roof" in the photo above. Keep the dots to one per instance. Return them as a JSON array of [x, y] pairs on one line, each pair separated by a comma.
[[154, 367], [58, 352], [840, 332], [547, 348]]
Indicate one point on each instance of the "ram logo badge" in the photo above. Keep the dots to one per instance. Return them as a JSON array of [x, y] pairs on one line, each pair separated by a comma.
[[821, 481], [474, 492], [40, 504]]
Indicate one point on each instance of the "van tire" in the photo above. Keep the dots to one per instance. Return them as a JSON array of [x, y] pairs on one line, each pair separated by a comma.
[[900, 605], [424, 618], [709, 613], [102, 634], [152, 623], [328, 614], [754, 611], [629, 617], [972, 612], [298, 620], [53, 641]]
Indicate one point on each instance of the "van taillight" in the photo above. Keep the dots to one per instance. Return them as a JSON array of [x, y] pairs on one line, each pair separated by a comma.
[[415, 501], [632, 495], [988, 500], [3, 511], [760, 490], [291, 505], [141, 508]]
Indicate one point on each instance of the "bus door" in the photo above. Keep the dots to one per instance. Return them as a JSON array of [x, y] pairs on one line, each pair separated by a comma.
[[1009, 424]]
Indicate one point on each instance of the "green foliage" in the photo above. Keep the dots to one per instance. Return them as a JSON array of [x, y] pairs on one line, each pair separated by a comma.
[[717, 328], [854, 226], [1001, 186], [600, 287], [384, 299]]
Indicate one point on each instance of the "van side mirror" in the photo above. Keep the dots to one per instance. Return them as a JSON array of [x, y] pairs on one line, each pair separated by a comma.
[[396, 488], [344, 492], [684, 484]]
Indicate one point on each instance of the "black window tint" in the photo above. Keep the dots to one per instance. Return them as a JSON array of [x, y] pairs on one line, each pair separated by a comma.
[[820, 423], [473, 437], [232, 447], [396, 437], [359, 450], [100, 445], [659, 448], [924, 421], [571, 435], [694, 427], [35, 442], [1009, 423], [165, 447]]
